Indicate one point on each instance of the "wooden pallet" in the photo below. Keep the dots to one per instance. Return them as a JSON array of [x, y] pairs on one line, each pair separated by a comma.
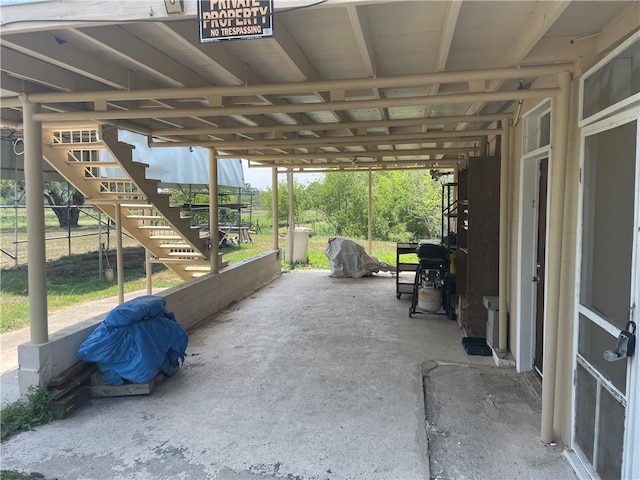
[[75, 386], [100, 389], [70, 402], [70, 390]]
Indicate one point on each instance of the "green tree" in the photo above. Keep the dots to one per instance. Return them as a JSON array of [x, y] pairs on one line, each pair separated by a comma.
[[64, 199], [300, 202], [250, 189], [411, 201], [425, 212], [406, 205], [61, 196], [66, 202], [11, 192], [342, 199]]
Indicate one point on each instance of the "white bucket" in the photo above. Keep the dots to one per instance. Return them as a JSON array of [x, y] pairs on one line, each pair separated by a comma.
[[108, 273], [429, 299]]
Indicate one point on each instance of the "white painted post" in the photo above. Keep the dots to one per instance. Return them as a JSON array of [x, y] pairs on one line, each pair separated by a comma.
[[503, 262], [370, 217], [560, 122], [213, 210], [119, 254], [274, 207], [36, 250], [290, 241]]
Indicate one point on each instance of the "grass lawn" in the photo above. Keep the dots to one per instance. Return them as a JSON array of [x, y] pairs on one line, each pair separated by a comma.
[[74, 279]]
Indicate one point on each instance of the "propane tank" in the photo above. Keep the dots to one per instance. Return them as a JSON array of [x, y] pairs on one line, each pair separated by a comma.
[[429, 298]]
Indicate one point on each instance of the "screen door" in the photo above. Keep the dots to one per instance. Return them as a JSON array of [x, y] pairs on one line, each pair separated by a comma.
[[606, 304]]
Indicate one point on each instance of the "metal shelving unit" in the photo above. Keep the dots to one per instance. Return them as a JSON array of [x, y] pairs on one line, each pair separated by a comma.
[[405, 285], [450, 210]]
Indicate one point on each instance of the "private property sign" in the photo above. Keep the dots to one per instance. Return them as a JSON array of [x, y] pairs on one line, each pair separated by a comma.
[[234, 19]]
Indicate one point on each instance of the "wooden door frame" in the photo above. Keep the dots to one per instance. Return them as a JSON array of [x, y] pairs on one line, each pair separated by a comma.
[[527, 233]]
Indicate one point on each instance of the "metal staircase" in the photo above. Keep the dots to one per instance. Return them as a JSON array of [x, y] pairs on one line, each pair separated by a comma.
[[102, 168]]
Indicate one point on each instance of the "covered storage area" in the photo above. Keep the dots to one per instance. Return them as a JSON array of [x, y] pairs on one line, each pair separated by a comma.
[[487, 90]]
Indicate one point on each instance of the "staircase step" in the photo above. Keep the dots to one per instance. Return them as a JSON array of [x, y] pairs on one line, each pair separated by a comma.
[[151, 217], [131, 203], [197, 268], [191, 254], [122, 197], [145, 217], [126, 145], [79, 145], [175, 245], [131, 196], [104, 164], [202, 267], [200, 271], [174, 260], [123, 181], [169, 260], [165, 237], [152, 180], [96, 164], [146, 205], [136, 216]]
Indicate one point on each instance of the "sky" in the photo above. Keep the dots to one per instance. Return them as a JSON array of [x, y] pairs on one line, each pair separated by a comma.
[[260, 178]]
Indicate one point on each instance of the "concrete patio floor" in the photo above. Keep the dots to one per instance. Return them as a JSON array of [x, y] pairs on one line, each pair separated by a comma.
[[309, 377]]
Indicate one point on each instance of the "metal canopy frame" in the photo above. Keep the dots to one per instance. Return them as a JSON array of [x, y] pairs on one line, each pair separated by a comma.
[[331, 90], [403, 143]]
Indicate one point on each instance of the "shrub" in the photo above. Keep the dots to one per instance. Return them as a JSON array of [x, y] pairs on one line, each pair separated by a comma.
[[24, 415]]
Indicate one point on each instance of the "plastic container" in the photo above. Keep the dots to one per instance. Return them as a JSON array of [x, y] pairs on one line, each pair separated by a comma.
[[301, 237]]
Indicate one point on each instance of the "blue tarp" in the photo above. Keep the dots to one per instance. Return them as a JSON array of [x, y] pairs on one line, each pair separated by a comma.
[[138, 338]]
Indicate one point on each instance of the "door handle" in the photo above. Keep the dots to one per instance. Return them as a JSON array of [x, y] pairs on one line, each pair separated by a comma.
[[625, 345], [536, 277]]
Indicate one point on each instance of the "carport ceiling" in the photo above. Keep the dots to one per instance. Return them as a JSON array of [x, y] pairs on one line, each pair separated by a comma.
[[343, 84]]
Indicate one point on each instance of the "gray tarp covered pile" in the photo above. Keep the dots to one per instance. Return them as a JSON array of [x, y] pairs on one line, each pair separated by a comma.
[[349, 259]]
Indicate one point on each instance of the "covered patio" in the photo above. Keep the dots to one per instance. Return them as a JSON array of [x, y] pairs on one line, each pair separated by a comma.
[[536, 94], [310, 377]]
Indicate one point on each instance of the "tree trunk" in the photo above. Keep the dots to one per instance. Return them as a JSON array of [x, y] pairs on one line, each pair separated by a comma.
[[67, 216]]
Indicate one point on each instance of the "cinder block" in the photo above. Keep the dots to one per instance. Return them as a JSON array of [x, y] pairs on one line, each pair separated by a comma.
[[493, 328], [31, 356]]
